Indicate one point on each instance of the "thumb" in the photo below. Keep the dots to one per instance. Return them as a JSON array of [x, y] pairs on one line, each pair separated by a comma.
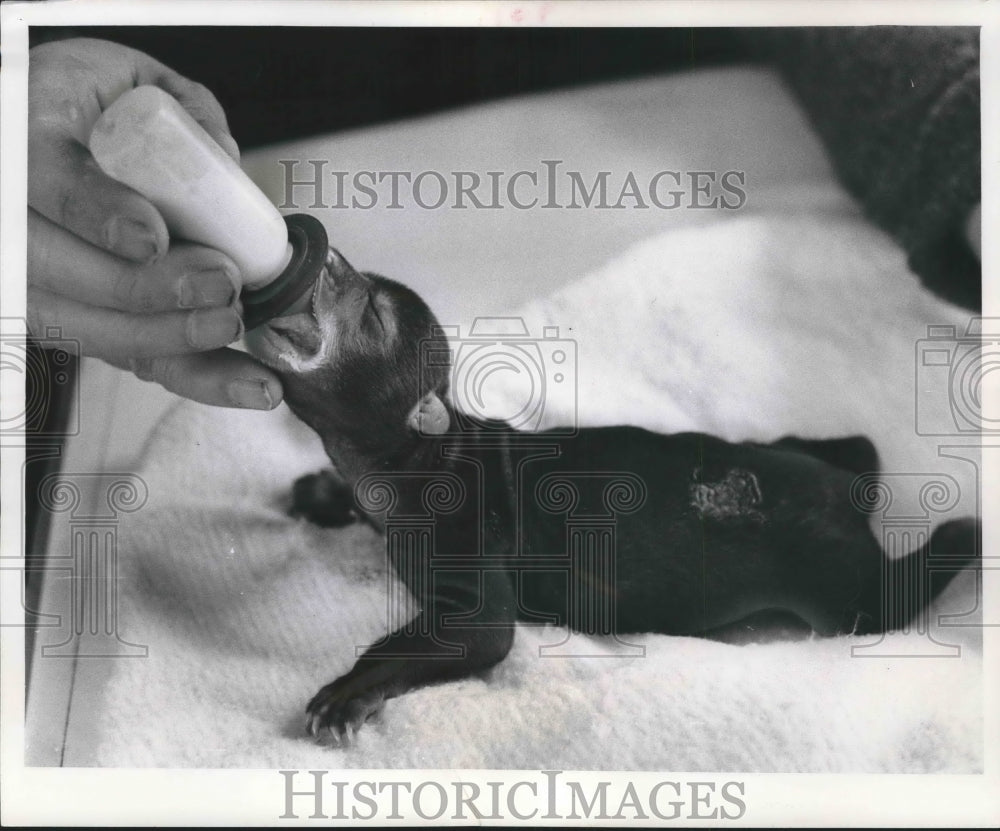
[[221, 378]]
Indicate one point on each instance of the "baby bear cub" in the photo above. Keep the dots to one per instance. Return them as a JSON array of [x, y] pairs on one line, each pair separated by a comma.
[[706, 532]]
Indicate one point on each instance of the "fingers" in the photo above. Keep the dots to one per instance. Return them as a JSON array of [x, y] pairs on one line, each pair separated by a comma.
[[73, 81], [117, 336], [221, 378], [140, 343], [188, 276], [66, 186], [112, 325], [68, 81], [70, 84], [100, 264]]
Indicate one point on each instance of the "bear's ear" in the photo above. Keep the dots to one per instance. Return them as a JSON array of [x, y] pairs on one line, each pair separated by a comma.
[[429, 416]]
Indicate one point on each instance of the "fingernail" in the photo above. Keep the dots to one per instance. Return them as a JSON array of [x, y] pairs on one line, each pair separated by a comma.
[[130, 238], [252, 395], [213, 328], [211, 287]]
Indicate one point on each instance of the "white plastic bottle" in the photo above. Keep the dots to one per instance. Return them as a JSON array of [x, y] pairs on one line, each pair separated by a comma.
[[149, 142]]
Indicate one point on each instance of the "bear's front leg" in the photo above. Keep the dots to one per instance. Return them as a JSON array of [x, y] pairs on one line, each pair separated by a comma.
[[440, 644], [342, 706]]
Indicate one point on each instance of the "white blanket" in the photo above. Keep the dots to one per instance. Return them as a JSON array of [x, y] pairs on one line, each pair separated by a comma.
[[747, 327]]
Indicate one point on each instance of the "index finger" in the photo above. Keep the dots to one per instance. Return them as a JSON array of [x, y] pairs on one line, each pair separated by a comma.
[[66, 185], [72, 83]]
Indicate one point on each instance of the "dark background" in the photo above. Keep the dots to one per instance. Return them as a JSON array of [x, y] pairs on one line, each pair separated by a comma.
[[282, 83]]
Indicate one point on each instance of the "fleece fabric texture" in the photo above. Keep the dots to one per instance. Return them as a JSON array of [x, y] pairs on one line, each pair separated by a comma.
[[898, 110], [749, 327]]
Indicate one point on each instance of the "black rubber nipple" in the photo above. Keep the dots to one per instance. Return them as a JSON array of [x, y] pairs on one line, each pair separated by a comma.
[[309, 242]]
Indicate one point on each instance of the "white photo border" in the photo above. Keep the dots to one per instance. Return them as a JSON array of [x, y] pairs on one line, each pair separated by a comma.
[[59, 796]]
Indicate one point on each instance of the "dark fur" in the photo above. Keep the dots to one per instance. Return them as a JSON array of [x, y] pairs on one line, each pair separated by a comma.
[[725, 530]]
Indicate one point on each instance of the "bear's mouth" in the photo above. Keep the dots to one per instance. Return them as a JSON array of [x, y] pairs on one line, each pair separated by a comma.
[[300, 332], [296, 341]]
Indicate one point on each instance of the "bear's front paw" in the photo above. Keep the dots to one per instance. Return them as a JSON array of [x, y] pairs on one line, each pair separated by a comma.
[[323, 499], [339, 709]]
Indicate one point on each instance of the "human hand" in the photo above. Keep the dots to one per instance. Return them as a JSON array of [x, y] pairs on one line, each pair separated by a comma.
[[101, 266]]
